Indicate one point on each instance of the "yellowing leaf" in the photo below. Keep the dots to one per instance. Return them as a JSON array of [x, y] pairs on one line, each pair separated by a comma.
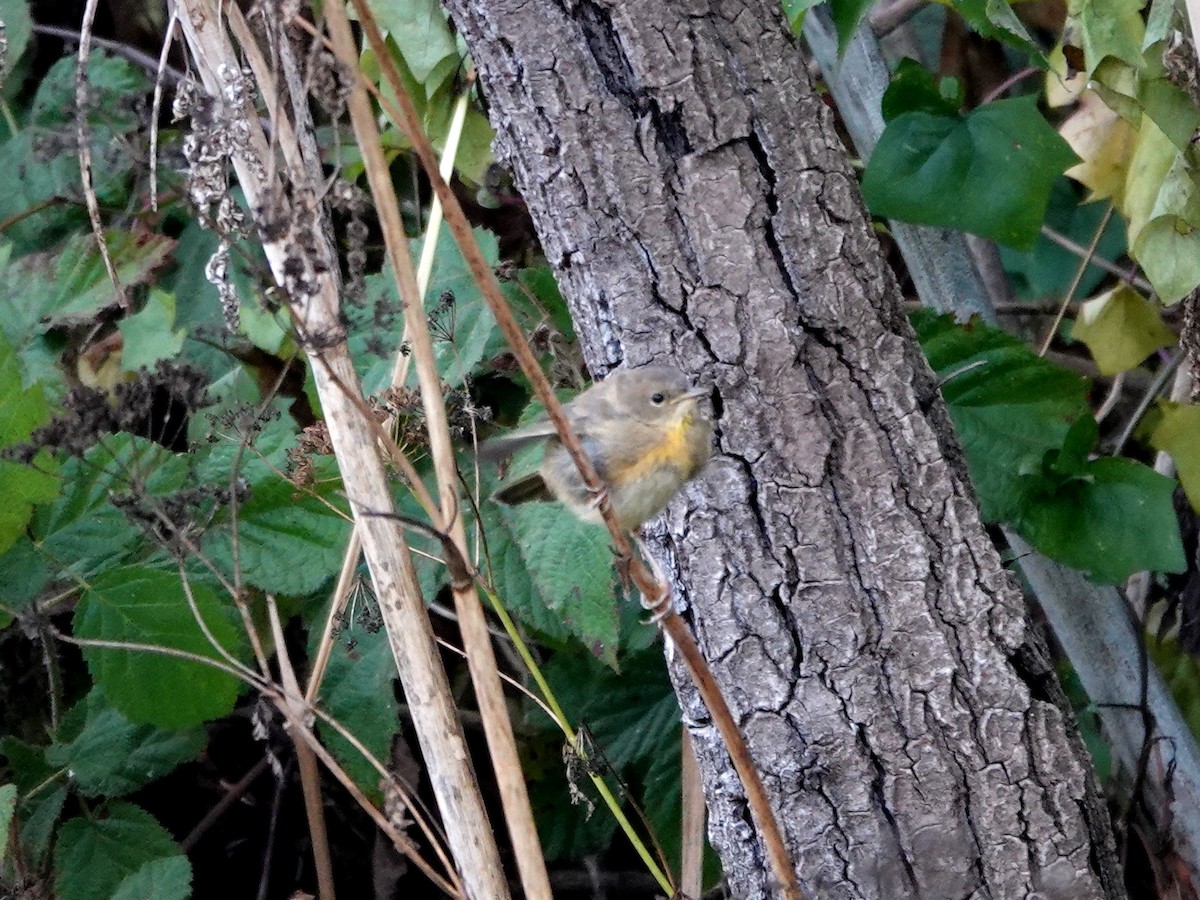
[[1177, 435], [1062, 87], [1153, 155], [1104, 141], [1168, 246], [1121, 328]]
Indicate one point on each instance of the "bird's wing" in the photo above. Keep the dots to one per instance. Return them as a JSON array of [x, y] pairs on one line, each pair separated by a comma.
[[505, 445], [582, 412]]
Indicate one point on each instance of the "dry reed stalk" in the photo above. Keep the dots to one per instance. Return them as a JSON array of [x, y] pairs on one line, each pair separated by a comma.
[[305, 266], [657, 594], [481, 660]]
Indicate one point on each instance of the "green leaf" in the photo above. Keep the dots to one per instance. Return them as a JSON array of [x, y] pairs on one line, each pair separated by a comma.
[[42, 158], [83, 531], [109, 756], [1109, 28], [97, 858], [1009, 411], [40, 815], [1004, 156], [1048, 269], [913, 88], [846, 15], [18, 29], [8, 805], [42, 798], [794, 11], [149, 335], [288, 540], [420, 30], [1121, 328], [21, 410], [1167, 245], [1114, 519], [168, 878], [43, 291], [358, 692], [463, 327], [23, 574], [633, 720], [570, 566], [141, 605], [1176, 434], [996, 19]]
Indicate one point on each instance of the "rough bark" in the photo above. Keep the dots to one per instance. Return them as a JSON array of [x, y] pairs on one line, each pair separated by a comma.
[[696, 205]]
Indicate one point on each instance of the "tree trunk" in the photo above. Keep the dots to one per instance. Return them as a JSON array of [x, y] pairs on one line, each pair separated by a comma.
[[696, 204]]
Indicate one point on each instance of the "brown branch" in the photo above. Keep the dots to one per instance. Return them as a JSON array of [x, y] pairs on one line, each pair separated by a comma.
[[658, 596]]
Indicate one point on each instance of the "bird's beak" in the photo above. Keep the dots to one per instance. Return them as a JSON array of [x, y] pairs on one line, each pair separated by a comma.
[[694, 394]]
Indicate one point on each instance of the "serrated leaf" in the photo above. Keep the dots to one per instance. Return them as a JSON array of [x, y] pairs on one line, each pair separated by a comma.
[[109, 756], [39, 818], [23, 574], [570, 565], [358, 692], [420, 30], [1176, 433], [41, 159], [463, 328], [21, 486], [1121, 328], [41, 291], [1009, 411], [83, 531], [1115, 519], [1003, 155], [42, 798], [150, 334], [140, 605], [288, 540], [168, 878], [95, 857]]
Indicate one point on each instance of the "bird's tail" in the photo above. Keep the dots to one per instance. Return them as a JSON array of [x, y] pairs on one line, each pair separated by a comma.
[[528, 488]]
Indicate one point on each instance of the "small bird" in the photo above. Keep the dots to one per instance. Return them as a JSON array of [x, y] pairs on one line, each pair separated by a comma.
[[644, 432]]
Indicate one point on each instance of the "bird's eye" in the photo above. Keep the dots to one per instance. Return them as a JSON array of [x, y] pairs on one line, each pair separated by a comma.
[[657, 399]]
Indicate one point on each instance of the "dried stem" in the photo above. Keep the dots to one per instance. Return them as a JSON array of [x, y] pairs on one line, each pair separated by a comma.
[[310, 775], [304, 264], [481, 660], [657, 594]]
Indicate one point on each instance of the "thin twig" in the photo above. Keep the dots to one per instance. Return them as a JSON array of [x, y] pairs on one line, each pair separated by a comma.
[[310, 775], [1155, 388], [159, 77], [126, 51], [1128, 274], [85, 151], [1070, 294], [481, 660], [658, 595], [231, 796], [1008, 83]]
